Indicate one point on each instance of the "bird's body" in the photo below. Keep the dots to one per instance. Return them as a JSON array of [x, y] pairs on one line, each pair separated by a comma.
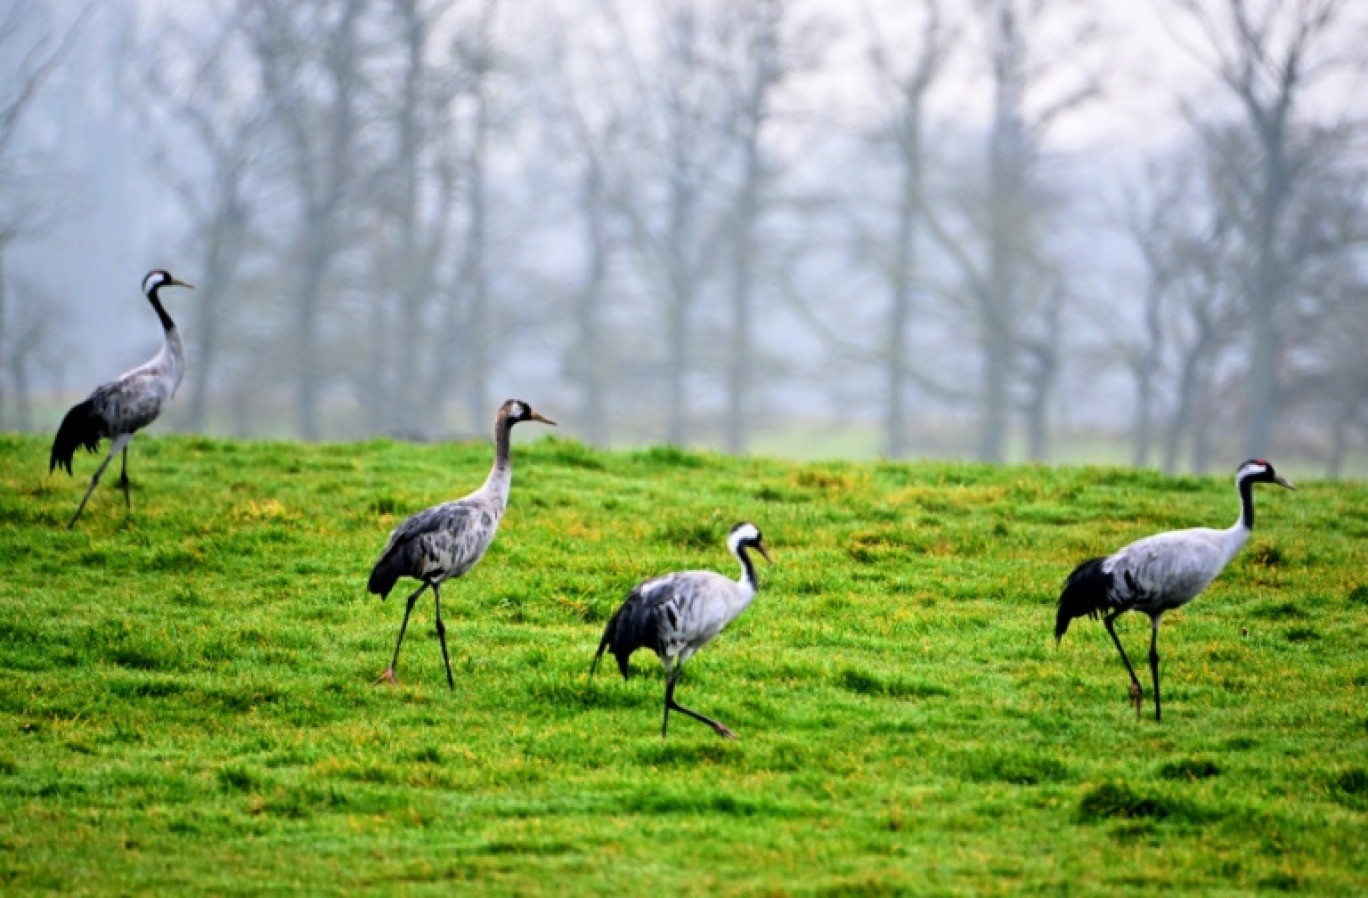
[[120, 408], [1159, 573], [447, 540], [676, 614]]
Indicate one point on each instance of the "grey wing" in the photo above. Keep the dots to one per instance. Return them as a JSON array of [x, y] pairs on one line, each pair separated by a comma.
[[689, 609], [447, 539], [1166, 570], [133, 401]]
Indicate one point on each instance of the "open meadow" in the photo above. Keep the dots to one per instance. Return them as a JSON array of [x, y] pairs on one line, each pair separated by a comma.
[[187, 706]]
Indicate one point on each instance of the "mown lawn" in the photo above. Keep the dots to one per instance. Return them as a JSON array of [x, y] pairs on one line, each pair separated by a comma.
[[186, 698]]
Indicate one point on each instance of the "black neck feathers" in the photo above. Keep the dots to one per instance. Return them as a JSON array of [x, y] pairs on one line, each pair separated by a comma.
[[503, 429], [152, 297], [747, 568], [1247, 502]]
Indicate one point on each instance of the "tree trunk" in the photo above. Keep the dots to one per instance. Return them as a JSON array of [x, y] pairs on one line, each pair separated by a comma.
[[591, 363], [900, 292], [1145, 369], [740, 370], [477, 335]]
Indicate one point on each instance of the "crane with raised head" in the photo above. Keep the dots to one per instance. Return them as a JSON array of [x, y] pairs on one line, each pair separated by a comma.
[[447, 540], [1159, 573], [120, 408]]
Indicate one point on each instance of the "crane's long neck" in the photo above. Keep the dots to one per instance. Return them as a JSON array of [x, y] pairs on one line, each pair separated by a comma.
[[1246, 521], [172, 351], [167, 324], [749, 585], [501, 474]]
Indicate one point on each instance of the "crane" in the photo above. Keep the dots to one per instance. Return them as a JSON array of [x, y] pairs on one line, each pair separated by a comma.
[[443, 542], [676, 614], [1159, 573], [120, 408]]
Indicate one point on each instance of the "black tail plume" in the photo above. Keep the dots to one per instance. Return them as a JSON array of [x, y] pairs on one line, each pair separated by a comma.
[[631, 627], [385, 574], [80, 427], [1085, 592], [607, 642]]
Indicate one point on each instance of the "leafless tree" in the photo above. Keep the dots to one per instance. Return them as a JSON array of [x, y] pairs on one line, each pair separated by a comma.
[[904, 86], [1269, 57], [310, 60], [1000, 234], [194, 86], [31, 48], [670, 194]]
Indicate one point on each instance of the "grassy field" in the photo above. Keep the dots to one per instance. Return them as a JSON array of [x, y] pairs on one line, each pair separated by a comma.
[[186, 698]]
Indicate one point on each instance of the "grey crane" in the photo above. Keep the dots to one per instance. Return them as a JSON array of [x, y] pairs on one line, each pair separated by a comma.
[[677, 614], [443, 542], [119, 409], [1159, 573]]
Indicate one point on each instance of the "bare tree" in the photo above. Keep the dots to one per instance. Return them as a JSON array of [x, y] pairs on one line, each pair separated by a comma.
[[584, 127], [414, 197], [669, 195], [30, 50], [1269, 59], [1032, 90], [903, 132], [310, 59], [194, 79]]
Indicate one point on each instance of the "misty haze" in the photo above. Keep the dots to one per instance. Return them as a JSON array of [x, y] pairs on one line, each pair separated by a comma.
[[999, 230]]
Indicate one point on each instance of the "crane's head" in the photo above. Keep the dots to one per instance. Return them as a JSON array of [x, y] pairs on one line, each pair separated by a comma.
[[746, 535], [157, 278], [1256, 470], [515, 410]]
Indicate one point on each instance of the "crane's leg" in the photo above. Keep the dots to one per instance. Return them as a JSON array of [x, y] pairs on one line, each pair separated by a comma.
[[669, 693], [1137, 694], [671, 703], [120, 443], [1154, 661], [441, 635], [123, 480], [388, 675]]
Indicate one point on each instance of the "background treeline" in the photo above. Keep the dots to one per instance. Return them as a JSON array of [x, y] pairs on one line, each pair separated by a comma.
[[999, 229]]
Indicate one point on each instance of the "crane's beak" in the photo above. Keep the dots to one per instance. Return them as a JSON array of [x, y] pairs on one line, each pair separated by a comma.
[[760, 547], [172, 282], [543, 419], [1283, 481]]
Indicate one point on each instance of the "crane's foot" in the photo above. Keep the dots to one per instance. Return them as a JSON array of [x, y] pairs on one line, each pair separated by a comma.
[[724, 732], [1137, 697], [387, 677]]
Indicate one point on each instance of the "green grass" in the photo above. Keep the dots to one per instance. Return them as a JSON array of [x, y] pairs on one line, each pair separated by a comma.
[[186, 702]]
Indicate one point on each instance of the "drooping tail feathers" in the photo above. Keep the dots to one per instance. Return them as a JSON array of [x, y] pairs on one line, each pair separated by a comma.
[[630, 628], [80, 428], [385, 574], [1085, 592]]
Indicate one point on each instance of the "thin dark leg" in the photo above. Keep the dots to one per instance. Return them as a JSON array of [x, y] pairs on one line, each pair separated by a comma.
[[388, 675], [1154, 662], [94, 482], [671, 703], [123, 480], [1137, 694], [441, 635], [669, 698]]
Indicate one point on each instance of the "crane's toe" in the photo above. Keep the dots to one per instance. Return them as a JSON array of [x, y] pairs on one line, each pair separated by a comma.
[[1137, 697], [724, 732], [387, 677]]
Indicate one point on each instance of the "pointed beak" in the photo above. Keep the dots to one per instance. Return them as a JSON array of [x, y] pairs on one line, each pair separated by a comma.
[[1283, 481], [760, 547], [172, 282], [543, 419]]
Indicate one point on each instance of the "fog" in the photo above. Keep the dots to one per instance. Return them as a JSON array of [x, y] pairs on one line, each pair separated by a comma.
[[1001, 230]]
